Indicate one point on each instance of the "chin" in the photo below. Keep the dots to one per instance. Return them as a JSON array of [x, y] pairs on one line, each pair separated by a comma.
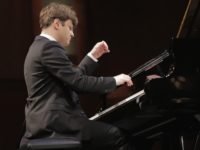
[[67, 44]]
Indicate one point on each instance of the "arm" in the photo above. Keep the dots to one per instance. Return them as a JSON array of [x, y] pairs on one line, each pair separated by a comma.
[[89, 63], [98, 51], [59, 65]]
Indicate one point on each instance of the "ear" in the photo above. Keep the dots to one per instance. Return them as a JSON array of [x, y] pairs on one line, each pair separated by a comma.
[[56, 24]]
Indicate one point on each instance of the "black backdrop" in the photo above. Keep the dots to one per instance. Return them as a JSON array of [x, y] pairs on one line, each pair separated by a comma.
[[135, 31]]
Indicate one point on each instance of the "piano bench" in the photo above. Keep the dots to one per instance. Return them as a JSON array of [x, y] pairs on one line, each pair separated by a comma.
[[67, 143]]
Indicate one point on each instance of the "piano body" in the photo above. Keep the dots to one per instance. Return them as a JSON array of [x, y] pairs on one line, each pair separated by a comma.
[[166, 110]]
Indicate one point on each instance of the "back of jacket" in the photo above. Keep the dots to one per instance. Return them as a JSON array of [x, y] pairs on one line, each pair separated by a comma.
[[52, 82]]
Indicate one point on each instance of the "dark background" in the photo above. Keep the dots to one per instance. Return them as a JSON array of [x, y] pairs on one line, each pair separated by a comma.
[[135, 30]]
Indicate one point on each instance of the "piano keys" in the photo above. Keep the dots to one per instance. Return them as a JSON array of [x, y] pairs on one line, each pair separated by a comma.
[[135, 98]]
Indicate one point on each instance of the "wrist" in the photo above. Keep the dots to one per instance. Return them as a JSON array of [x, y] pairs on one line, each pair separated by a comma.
[[116, 80], [92, 57]]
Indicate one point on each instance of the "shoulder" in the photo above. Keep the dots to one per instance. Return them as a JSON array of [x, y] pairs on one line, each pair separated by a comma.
[[46, 43]]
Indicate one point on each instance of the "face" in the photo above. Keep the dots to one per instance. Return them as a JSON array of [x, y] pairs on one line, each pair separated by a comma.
[[65, 32]]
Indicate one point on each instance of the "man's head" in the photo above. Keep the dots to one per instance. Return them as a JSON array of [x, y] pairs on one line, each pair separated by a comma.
[[58, 20]]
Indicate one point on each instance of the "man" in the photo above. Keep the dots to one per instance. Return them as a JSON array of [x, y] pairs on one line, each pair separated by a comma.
[[53, 82]]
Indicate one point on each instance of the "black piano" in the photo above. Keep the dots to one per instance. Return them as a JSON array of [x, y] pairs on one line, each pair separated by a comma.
[[165, 114]]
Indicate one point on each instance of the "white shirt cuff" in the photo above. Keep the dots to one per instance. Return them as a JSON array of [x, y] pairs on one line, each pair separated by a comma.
[[92, 57], [116, 80]]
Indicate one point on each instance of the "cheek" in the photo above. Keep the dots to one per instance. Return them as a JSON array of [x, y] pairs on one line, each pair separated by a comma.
[[68, 33], [65, 34], [68, 36]]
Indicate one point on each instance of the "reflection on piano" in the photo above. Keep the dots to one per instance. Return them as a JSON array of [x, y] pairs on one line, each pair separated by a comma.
[[167, 109], [129, 99]]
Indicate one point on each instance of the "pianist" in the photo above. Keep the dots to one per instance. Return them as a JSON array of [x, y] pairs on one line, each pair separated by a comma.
[[52, 82]]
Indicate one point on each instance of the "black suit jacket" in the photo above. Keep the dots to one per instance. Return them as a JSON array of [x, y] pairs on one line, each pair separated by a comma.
[[52, 82]]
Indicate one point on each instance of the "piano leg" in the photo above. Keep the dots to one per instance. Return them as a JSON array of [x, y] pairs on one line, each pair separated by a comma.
[[180, 141], [170, 141], [197, 142]]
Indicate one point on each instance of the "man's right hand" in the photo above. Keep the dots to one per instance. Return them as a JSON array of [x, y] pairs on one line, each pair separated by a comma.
[[123, 79], [99, 49]]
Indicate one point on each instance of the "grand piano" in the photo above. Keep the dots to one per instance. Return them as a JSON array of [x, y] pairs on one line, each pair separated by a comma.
[[165, 114]]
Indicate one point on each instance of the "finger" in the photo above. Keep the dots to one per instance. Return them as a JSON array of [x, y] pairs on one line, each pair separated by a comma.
[[150, 77], [130, 83], [105, 47]]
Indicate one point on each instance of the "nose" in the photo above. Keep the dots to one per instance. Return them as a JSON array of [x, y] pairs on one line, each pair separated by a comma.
[[72, 33]]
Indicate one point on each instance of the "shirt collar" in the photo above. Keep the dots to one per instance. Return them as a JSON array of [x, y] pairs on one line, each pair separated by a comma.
[[51, 38]]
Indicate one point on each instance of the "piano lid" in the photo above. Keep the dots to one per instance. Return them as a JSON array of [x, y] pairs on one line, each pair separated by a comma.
[[185, 45], [190, 24]]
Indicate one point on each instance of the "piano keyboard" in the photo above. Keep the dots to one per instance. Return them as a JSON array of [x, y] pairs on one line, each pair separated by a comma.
[[135, 97]]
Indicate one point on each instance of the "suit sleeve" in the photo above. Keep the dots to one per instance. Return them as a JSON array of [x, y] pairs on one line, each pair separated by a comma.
[[88, 65], [58, 64]]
